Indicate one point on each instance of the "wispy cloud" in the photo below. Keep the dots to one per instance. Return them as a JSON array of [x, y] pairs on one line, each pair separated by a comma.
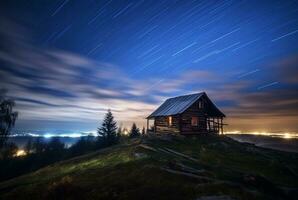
[[57, 85]]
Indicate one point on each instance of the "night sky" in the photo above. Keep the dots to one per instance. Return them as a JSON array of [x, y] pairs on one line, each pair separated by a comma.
[[66, 62]]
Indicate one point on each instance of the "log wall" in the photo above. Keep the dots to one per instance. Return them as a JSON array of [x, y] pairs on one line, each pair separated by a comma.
[[162, 124], [182, 123], [194, 111]]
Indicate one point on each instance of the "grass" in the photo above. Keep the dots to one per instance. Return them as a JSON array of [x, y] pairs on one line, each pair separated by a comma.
[[149, 168]]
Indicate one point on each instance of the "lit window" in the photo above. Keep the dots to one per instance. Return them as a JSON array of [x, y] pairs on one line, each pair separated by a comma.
[[170, 120], [194, 121]]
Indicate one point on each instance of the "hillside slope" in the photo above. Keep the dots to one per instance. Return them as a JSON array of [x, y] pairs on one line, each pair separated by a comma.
[[165, 167]]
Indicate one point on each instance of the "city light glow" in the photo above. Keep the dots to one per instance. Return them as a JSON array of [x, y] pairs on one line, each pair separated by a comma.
[[285, 135], [20, 153]]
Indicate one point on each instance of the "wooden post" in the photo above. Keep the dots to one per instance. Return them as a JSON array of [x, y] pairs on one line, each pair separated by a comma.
[[209, 128], [180, 124], [221, 123], [154, 126], [213, 124], [218, 130]]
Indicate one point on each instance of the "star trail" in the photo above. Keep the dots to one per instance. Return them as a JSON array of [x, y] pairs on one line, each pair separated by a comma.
[[69, 60]]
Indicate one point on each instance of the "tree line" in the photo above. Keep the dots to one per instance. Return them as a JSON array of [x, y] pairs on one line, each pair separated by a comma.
[[111, 134], [39, 153], [108, 133]]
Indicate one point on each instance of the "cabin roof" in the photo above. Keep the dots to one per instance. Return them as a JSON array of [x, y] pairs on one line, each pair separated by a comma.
[[178, 105]]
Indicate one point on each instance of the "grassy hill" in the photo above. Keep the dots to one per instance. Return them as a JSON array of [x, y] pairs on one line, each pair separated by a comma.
[[165, 167]]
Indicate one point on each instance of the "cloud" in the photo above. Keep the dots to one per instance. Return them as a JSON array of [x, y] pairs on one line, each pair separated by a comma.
[[58, 85], [52, 84]]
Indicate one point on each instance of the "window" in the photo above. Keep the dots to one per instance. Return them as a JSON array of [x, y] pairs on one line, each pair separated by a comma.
[[200, 104], [194, 121], [170, 120]]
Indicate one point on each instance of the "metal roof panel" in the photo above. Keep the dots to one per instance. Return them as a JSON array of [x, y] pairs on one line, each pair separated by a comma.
[[176, 105]]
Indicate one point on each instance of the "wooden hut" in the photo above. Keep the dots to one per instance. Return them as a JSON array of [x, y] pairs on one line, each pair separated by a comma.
[[188, 114]]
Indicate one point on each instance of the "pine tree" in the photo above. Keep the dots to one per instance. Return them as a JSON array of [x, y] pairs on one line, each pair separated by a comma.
[[7, 117], [108, 129], [143, 131], [134, 132]]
